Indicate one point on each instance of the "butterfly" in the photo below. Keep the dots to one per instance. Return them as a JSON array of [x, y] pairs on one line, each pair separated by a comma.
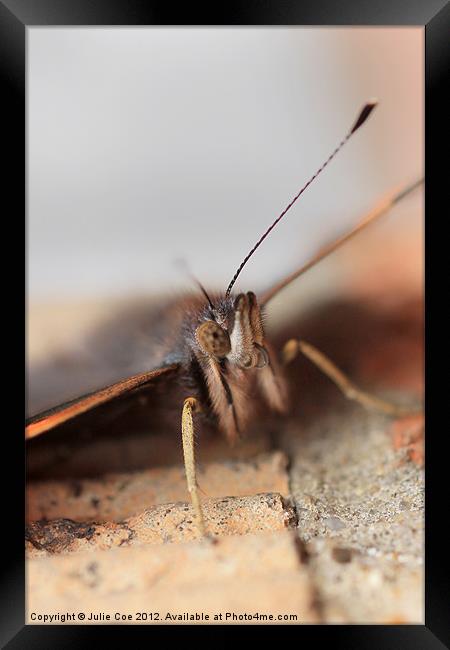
[[215, 357]]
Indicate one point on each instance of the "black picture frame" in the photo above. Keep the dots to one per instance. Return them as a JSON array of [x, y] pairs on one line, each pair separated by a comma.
[[434, 16]]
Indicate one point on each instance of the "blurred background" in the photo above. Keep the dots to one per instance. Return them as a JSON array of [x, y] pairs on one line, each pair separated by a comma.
[[151, 145]]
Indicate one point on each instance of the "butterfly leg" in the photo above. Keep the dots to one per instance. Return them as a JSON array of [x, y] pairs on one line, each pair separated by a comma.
[[188, 434], [293, 347]]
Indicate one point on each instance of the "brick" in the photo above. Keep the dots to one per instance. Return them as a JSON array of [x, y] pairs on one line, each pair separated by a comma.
[[115, 497], [256, 573], [161, 524]]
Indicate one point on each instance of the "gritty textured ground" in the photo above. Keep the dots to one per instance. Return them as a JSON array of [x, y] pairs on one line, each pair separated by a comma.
[[319, 516], [359, 505]]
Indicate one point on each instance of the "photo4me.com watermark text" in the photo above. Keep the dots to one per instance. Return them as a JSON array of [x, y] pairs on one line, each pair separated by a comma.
[[158, 617]]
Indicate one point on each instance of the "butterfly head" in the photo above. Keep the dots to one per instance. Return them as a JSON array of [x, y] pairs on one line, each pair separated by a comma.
[[233, 331]]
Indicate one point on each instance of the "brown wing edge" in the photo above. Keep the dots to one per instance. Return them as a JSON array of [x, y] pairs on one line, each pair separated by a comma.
[[51, 418]]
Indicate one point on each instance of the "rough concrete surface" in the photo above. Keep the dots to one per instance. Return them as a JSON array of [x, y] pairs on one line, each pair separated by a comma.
[[359, 504]]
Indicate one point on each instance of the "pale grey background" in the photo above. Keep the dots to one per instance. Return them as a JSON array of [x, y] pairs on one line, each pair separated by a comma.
[[150, 144]]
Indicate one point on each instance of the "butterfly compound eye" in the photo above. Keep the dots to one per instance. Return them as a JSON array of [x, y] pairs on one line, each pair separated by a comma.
[[213, 339]]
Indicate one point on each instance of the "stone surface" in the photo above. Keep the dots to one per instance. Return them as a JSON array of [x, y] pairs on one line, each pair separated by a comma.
[[195, 577], [359, 504], [408, 433], [114, 497], [171, 522], [358, 585]]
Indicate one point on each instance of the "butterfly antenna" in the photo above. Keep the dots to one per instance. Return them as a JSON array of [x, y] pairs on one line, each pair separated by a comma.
[[183, 265], [204, 292], [362, 117]]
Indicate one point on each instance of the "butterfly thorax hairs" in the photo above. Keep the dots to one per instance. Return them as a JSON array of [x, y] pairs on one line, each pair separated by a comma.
[[225, 352]]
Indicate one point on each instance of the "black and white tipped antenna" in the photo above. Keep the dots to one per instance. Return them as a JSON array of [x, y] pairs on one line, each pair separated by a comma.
[[362, 117]]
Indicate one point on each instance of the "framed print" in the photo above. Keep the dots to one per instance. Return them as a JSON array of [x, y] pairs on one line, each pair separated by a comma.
[[225, 319]]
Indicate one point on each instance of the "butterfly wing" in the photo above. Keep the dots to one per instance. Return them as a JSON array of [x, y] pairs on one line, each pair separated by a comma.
[[94, 378], [52, 418]]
